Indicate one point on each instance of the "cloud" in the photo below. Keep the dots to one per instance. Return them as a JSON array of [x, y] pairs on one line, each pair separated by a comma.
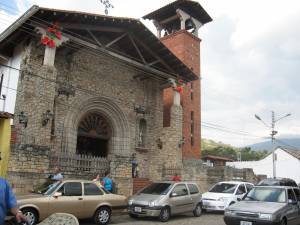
[[246, 73]]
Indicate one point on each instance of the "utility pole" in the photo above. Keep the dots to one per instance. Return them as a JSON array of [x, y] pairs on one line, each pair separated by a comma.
[[273, 133]]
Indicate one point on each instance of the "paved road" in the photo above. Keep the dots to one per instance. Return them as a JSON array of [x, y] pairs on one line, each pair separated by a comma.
[[188, 219]]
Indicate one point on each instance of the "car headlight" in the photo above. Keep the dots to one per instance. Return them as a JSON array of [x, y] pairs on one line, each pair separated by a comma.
[[152, 204], [265, 216], [130, 201], [223, 199], [229, 213]]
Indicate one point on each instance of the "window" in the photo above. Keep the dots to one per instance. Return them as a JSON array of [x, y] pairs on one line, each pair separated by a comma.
[[297, 193], [291, 195], [192, 116], [249, 187], [71, 189], [192, 141], [92, 189], [193, 189], [241, 190], [192, 128], [180, 190], [157, 189], [192, 95], [142, 133]]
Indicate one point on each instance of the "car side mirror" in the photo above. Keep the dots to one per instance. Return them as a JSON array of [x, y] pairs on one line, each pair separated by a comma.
[[238, 199], [57, 194], [173, 194], [292, 202]]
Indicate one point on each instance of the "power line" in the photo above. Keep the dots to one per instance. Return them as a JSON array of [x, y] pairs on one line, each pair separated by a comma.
[[226, 128]]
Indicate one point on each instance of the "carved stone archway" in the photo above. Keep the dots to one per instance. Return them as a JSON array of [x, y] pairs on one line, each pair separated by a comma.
[[93, 135], [120, 135]]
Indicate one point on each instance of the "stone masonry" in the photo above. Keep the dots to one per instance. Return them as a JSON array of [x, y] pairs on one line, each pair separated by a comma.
[[102, 85]]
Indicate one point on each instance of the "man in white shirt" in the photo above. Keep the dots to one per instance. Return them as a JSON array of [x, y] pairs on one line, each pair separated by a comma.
[[57, 175]]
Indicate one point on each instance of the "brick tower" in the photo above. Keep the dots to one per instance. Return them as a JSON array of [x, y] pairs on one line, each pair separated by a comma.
[[177, 27]]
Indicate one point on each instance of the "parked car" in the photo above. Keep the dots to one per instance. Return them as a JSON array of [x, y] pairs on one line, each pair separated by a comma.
[[223, 194], [278, 182], [266, 205], [83, 199], [163, 199]]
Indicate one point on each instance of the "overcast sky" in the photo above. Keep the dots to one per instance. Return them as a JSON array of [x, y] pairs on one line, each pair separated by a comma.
[[250, 60]]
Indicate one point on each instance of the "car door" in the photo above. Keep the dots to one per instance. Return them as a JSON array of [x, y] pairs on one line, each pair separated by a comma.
[[195, 194], [297, 193], [180, 199], [70, 200], [92, 197], [240, 192], [292, 212], [249, 187]]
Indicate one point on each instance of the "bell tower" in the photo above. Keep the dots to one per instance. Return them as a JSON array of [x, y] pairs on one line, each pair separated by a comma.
[[177, 27]]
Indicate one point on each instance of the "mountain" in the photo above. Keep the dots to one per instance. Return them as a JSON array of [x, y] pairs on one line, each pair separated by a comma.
[[210, 144], [293, 143]]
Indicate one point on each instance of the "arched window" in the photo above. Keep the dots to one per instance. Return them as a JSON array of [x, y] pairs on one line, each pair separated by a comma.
[[142, 133]]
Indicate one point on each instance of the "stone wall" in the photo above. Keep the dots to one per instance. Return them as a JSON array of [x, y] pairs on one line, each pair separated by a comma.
[[28, 167], [206, 177]]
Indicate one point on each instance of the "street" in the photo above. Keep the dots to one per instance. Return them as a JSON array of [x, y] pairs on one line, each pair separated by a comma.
[[186, 219]]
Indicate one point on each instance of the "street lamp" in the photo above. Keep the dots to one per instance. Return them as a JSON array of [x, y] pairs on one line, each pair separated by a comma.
[[273, 133]]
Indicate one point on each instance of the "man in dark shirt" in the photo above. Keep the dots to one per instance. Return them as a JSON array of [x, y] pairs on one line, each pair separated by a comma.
[[8, 202]]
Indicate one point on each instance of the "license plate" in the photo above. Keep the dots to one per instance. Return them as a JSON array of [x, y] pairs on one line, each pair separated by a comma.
[[245, 223], [206, 203], [137, 209]]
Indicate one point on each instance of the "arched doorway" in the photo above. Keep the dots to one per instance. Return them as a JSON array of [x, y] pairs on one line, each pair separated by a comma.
[[93, 135]]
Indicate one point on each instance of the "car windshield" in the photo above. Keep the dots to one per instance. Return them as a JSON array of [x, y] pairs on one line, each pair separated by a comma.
[[157, 189], [269, 183], [266, 195], [51, 188], [223, 188]]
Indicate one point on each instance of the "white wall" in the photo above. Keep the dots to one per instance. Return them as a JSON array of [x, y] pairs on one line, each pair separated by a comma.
[[286, 165], [11, 77]]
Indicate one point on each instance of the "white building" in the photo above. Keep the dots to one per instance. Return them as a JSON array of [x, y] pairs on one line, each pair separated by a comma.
[[287, 164]]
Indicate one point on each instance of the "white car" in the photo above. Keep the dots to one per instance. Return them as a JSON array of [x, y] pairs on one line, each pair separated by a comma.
[[224, 194]]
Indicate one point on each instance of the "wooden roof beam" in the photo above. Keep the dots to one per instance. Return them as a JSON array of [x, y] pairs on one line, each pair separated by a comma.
[[115, 40], [137, 49], [155, 55], [78, 26], [94, 37], [152, 71]]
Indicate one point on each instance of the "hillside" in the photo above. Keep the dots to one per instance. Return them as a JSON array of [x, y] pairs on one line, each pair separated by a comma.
[[293, 143], [211, 147]]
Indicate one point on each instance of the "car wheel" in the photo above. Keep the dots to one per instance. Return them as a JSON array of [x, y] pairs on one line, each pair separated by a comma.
[[31, 214], [198, 210], [164, 215], [102, 215], [231, 203], [283, 222], [133, 216]]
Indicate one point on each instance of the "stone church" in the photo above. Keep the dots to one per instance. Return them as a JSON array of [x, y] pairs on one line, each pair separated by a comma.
[[96, 93]]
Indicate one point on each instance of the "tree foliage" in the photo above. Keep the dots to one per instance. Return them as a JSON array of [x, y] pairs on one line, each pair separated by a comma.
[[219, 149]]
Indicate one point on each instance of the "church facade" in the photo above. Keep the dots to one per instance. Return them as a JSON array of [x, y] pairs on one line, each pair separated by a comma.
[[95, 91]]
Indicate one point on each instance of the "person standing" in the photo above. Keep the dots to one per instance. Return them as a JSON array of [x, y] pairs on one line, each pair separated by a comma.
[[107, 182], [57, 176], [134, 166], [176, 178], [8, 202]]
